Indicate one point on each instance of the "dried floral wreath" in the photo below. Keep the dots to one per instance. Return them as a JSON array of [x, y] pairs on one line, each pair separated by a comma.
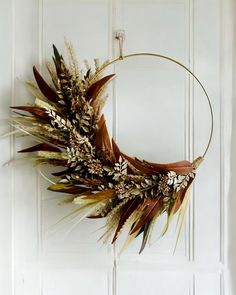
[[66, 118]]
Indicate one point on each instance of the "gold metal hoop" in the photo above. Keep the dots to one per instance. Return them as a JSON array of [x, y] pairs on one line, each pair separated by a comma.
[[122, 57]]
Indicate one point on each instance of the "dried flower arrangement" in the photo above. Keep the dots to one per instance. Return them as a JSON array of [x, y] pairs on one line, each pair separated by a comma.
[[66, 118]]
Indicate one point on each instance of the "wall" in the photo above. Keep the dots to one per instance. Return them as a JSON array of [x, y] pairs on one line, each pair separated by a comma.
[[155, 111]]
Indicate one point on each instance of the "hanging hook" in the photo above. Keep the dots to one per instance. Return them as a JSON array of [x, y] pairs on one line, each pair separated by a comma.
[[120, 36]]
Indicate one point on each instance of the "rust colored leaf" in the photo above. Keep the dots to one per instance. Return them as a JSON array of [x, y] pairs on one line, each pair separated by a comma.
[[148, 168], [102, 141], [36, 111], [98, 141], [182, 167], [94, 90], [116, 150], [40, 147], [146, 233], [151, 207], [139, 165], [44, 87], [128, 209]]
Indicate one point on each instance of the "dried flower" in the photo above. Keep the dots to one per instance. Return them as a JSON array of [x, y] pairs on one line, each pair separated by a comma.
[[163, 185], [95, 167]]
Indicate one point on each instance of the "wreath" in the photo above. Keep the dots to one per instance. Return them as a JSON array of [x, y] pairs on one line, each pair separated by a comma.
[[67, 121]]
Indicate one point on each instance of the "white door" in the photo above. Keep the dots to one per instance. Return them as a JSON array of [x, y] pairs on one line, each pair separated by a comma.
[[155, 112]]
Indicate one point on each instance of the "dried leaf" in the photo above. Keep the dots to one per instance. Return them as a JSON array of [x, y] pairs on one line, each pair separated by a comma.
[[95, 197], [182, 167], [47, 91], [36, 111], [151, 207], [146, 233], [65, 188], [127, 210], [94, 90], [102, 141], [40, 147]]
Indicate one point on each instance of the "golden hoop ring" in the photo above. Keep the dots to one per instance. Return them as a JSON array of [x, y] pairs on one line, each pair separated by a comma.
[[122, 57]]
